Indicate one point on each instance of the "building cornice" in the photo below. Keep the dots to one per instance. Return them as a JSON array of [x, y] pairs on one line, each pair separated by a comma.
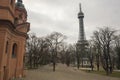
[[11, 27], [24, 24]]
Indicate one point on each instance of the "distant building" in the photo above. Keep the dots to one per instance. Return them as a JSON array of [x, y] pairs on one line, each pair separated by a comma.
[[13, 35], [82, 42]]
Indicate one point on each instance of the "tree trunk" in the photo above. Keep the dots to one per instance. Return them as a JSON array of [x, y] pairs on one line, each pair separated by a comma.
[[78, 63], [54, 66], [98, 62]]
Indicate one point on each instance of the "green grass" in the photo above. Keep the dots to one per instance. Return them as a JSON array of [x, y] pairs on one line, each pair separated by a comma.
[[114, 74]]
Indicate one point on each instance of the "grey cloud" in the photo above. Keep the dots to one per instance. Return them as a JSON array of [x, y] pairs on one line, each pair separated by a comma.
[[98, 13], [39, 18]]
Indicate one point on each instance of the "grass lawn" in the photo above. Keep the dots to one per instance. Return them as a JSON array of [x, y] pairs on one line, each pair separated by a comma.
[[114, 74]]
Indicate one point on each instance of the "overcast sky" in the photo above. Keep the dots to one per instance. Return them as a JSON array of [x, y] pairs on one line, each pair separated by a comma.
[[47, 16]]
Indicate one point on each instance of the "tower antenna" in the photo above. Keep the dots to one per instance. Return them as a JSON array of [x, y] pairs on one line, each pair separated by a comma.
[[80, 7]]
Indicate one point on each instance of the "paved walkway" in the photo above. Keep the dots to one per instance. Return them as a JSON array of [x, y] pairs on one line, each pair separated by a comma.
[[63, 73]]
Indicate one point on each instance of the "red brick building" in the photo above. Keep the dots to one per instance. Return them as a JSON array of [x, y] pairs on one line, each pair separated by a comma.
[[13, 35]]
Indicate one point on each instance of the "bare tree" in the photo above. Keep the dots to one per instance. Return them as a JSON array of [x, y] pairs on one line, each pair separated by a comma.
[[104, 37], [91, 53], [63, 51], [97, 45], [70, 55], [117, 50], [55, 39], [32, 50], [37, 51]]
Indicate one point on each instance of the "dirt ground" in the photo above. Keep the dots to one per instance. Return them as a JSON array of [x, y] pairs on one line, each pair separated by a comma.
[[63, 73]]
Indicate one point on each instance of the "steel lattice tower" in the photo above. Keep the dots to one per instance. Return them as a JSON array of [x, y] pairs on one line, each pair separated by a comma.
[[81, 39], [82, 42]]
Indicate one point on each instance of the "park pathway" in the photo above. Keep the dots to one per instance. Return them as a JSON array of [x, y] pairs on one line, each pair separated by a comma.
[[63, 73]]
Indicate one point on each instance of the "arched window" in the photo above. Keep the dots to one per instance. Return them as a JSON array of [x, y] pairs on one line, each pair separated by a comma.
[[14, 50], [11, 2], [6, 47]]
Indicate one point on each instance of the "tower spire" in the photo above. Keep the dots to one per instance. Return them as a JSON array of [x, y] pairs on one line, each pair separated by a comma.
[[20, 4], [80, 7], [19, 1]]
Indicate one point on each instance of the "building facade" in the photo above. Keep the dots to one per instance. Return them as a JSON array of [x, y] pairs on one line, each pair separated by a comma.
[[13, 35]]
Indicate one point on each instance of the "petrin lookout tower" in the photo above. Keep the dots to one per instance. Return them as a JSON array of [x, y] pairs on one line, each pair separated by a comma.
[[82, 42]]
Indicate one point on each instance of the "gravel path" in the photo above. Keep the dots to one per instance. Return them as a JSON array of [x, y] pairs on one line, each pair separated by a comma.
[[63, 73]]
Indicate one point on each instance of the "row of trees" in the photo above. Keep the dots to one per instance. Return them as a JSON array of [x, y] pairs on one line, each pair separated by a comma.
[[103, 50], [49, 49]]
